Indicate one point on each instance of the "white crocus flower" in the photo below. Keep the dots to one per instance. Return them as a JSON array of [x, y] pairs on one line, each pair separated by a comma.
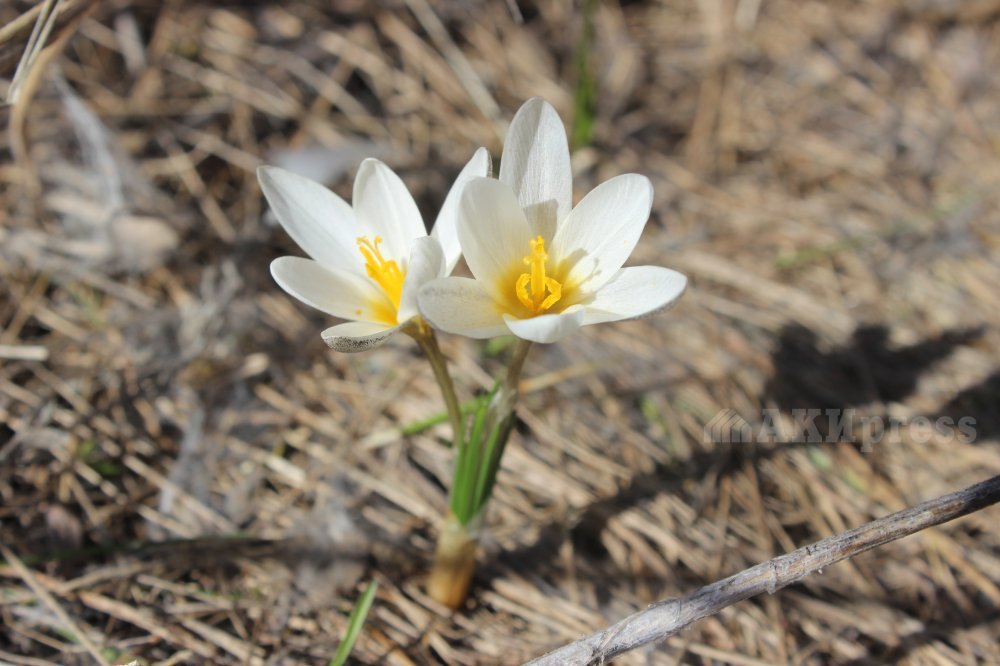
[[367, 262], [542, 270]]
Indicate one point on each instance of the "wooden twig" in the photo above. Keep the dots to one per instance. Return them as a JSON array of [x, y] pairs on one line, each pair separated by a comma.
[[667, 617]]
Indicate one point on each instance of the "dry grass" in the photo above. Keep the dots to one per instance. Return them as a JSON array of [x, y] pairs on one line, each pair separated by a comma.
[[188, 476]]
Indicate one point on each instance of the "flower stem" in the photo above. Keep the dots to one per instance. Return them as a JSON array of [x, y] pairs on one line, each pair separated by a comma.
[[454, 563], [501, 410], [476, 466], [513, 377], [425, 337]]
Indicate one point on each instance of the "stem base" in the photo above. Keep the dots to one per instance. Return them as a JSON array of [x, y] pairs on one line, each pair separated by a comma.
[[454, 564]]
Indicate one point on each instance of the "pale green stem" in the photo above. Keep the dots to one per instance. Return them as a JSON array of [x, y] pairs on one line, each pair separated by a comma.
[[506, 397], [425, 337], [513, 377]]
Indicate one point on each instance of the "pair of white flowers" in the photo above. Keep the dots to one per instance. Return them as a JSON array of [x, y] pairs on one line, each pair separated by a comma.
[[542, 268]]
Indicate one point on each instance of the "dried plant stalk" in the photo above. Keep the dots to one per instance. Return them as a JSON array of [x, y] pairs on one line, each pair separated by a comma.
[[667, 617]]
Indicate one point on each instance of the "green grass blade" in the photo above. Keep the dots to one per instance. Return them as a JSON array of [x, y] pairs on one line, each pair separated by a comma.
[[356, 621], [491, 463], [464, 483], [585, 95], [431, 421]]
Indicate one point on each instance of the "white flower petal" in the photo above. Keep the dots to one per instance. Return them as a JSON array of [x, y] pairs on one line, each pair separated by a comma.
[[495, 236], [547, 327], [535, 164], [318, 220], [460, 305], [385, 208], [357, 336], [446, 226], [426, 264], [336, 293], [634, 292], [601, 232]]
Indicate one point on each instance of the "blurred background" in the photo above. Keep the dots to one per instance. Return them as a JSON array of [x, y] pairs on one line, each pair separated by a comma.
[[187, 475]]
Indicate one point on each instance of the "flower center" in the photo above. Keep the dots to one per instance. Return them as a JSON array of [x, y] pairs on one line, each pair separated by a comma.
[[534, 289], [386, 273]]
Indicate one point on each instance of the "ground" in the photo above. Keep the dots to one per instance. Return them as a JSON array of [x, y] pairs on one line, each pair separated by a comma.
[[187, 475]]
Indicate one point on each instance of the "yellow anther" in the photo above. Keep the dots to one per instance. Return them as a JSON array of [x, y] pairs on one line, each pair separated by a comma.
[[385, 272], [535, 290]]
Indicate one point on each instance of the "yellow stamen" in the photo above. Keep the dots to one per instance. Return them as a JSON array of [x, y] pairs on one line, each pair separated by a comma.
[[531, 288], [385, 272]]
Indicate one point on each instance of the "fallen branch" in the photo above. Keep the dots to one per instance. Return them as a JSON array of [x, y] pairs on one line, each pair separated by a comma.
[[667, 617]]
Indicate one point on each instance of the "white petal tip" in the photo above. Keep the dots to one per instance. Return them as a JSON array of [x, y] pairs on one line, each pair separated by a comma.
[[352, 344], [636, 293], [358, 336], [483, 162], [547, 328]]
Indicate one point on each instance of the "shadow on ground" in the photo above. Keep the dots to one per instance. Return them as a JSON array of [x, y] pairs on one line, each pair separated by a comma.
[[865, 371]]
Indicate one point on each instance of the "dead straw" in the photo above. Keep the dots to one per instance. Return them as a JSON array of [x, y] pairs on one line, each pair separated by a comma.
[[74, 627], [825, 174]]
